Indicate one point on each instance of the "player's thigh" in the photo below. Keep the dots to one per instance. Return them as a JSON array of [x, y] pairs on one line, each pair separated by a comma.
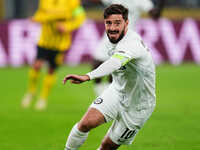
[[91, 119], [108, 104], [40, 57], [120, 134], [55, 59], [59, 59]]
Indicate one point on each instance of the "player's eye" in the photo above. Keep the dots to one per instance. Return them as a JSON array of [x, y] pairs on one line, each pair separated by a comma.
[[117, 23], [108, 22]]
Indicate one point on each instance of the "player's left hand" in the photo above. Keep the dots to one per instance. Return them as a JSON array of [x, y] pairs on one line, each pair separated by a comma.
[[76, 79], [60, 27]]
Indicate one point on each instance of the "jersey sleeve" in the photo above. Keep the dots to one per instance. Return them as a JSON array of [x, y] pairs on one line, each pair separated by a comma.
[[78, 17], [105, 68], [39, 15], [122, 57], [128, 51]]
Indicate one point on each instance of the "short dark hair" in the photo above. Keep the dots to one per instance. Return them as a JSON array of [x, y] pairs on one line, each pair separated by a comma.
[[116, 9]]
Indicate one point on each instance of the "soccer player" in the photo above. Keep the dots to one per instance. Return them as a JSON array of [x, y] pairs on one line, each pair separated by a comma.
[[58, 18], [130, 99], [136, 8]]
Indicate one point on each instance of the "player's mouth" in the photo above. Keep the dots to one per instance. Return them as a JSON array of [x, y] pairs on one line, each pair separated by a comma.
[[113, 32]]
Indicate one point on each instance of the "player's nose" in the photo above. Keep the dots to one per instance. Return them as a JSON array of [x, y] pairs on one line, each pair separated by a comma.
[[112, 27]]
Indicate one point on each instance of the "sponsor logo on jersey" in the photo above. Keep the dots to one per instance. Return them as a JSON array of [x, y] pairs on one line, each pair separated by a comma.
[[98, 101]]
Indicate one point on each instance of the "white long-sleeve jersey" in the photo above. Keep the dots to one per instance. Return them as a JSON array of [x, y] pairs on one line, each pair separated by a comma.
[[133, 77]]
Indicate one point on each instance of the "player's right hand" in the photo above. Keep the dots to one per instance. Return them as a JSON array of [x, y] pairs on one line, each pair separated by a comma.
[[76, 79]]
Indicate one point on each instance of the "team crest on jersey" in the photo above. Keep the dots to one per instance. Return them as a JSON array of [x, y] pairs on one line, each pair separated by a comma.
[[98, 101]]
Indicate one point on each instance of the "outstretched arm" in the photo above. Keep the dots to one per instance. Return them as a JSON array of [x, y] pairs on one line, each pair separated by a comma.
[[104, 69]]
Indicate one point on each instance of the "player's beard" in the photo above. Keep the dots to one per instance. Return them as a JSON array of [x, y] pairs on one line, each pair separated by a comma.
[[114, 41]]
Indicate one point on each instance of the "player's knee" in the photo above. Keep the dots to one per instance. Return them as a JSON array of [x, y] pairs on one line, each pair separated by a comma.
[[104, 146], [107, 144], [86, 125], [51, 70], [37, 65]]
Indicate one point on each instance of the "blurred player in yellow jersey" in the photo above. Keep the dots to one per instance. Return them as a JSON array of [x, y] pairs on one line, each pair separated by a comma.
[[58, 18]]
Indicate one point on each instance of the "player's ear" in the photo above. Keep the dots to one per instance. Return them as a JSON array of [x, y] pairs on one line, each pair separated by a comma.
[[127, 22]]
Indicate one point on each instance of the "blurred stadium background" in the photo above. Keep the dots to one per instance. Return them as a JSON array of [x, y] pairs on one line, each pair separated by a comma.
[[175, 43]]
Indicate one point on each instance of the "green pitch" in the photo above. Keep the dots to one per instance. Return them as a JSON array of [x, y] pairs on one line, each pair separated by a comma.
[[175, 124]]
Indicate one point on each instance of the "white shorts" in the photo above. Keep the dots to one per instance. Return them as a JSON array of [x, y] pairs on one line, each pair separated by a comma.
[[108, 105]]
